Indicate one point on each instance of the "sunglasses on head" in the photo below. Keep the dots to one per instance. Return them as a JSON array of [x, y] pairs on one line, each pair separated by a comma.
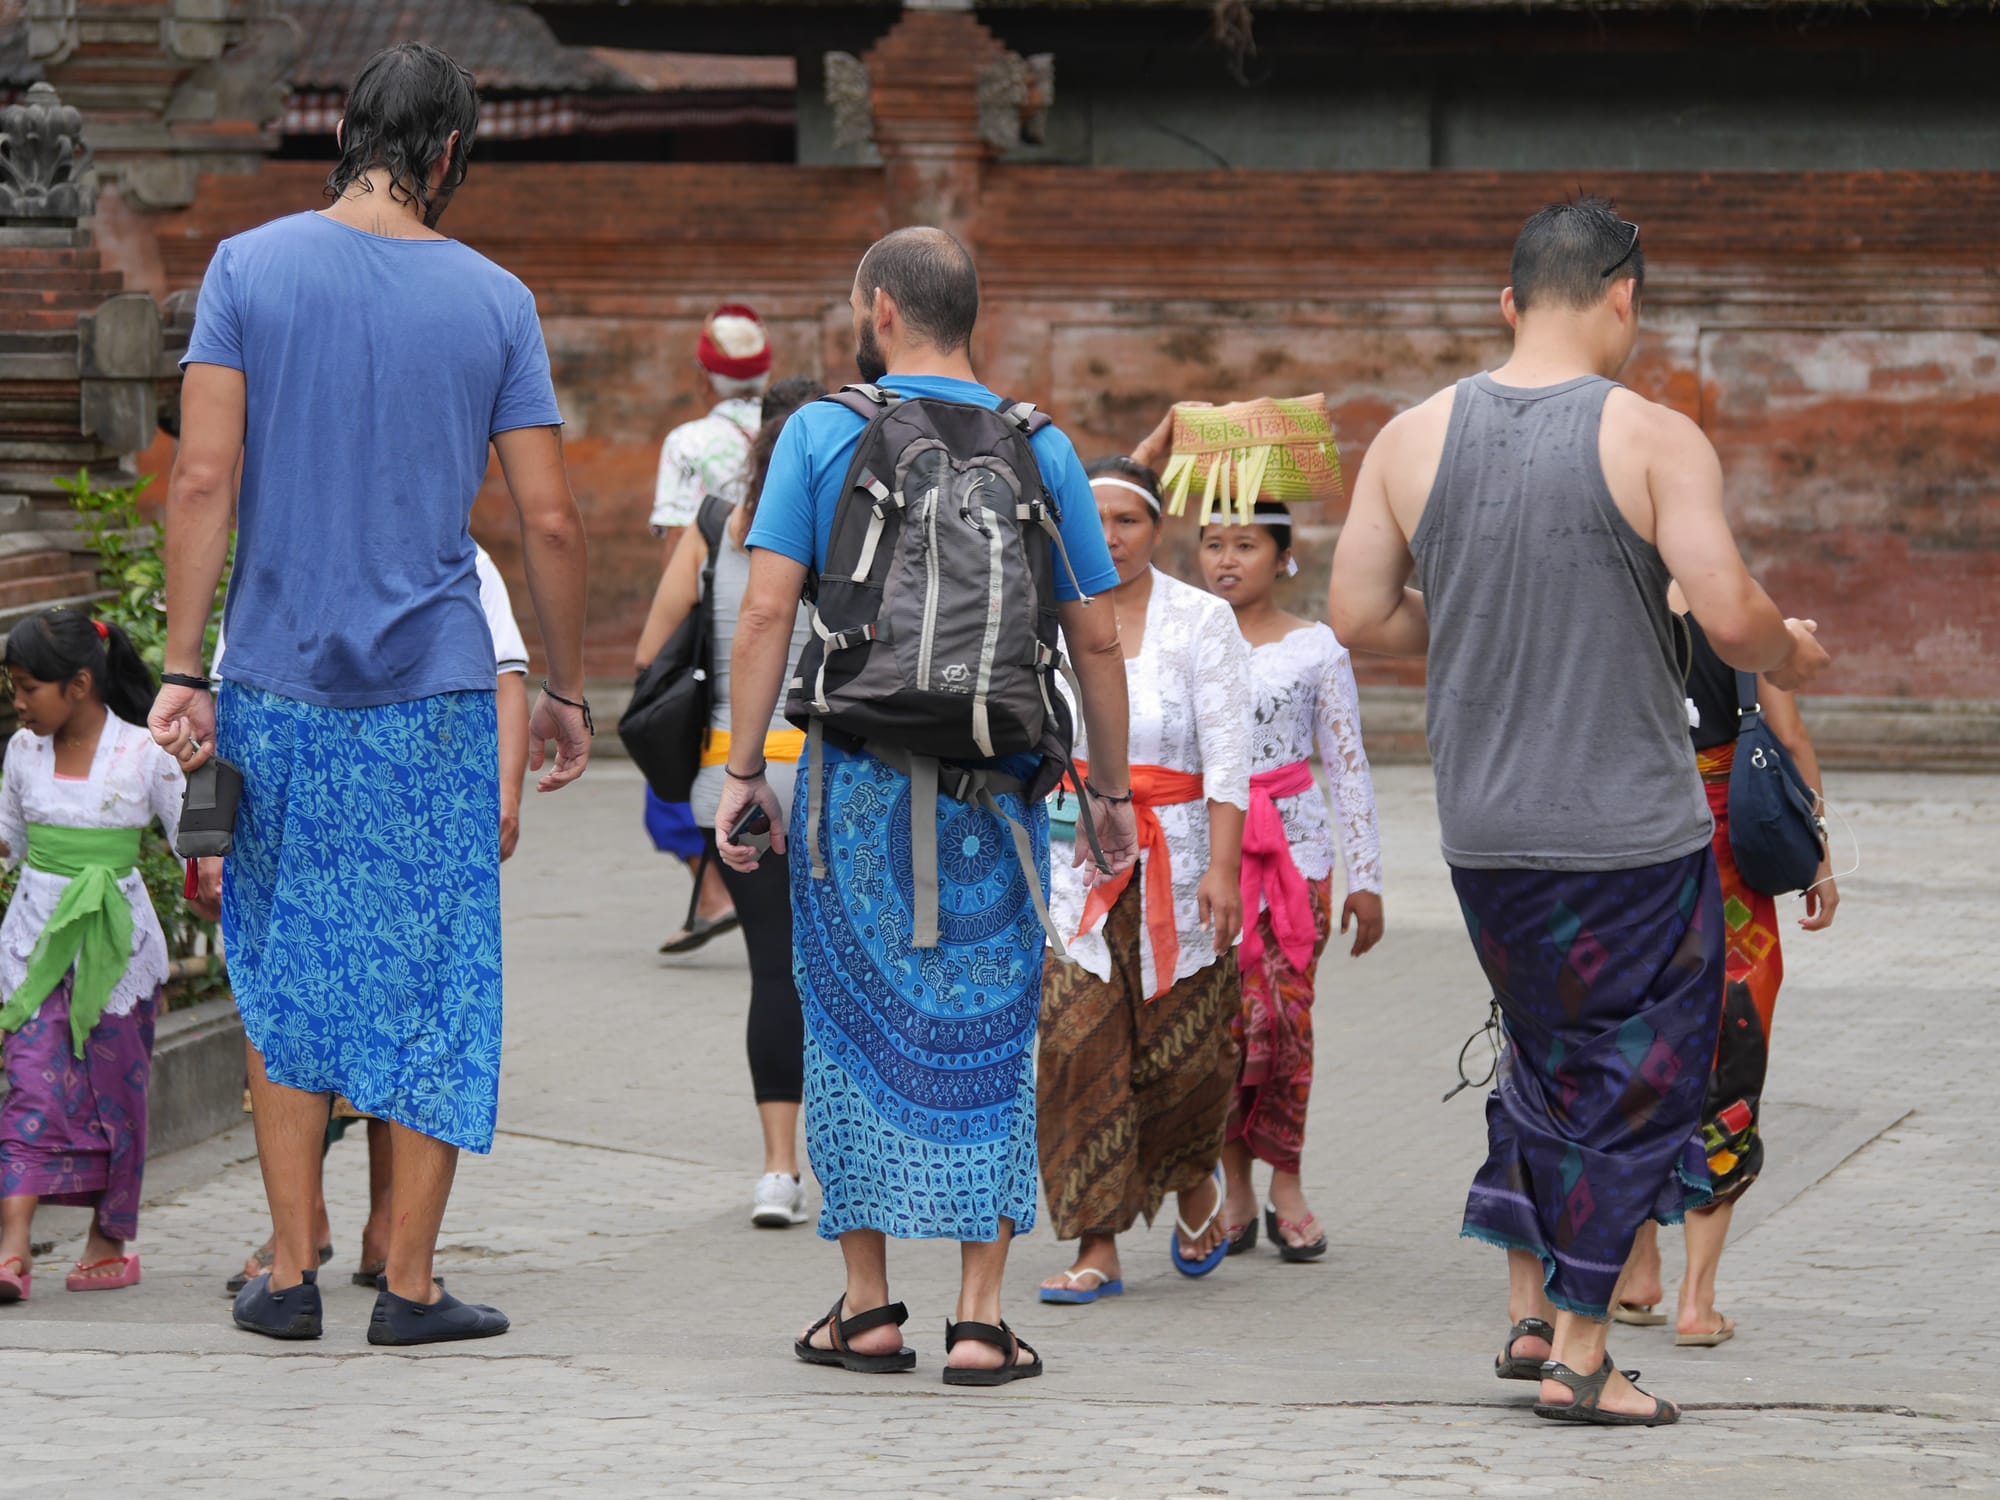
[[1631, 248]]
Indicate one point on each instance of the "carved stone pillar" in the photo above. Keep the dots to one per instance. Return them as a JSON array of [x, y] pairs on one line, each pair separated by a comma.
[[940, 97], [83, 362], [172, 88]]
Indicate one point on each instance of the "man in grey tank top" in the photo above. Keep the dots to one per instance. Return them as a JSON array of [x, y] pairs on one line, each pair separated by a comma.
[[1543, 508]]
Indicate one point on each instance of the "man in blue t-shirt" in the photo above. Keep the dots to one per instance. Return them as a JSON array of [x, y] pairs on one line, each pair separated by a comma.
[[357, 365], [919, 1077]]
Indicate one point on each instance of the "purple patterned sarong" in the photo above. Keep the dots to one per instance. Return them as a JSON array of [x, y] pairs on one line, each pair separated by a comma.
[[73, 1130], [1610, 987]]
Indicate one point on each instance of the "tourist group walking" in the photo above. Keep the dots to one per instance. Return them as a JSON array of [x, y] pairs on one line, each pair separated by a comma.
[[1021, 829]]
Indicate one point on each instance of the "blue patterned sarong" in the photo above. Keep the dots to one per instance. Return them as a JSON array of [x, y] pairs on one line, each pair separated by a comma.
[[1610, 985], [361, 907], [919, 1079]]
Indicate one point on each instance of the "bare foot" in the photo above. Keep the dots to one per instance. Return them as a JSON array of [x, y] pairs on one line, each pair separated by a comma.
[[1098, 1253], [1194, 1205], [1620, 1395], [887, 1339]]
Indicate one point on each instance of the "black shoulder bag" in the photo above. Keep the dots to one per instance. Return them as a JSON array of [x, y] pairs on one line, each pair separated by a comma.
[[664, 725], [1777, 838]]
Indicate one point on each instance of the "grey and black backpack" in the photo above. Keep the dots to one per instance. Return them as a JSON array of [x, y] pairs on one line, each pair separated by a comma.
[[935, 642]]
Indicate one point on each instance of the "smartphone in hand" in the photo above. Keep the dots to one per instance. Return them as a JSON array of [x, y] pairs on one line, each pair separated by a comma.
[[753, 831]]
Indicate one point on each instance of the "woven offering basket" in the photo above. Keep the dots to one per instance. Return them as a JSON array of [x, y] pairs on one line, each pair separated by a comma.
[[1273, 448]]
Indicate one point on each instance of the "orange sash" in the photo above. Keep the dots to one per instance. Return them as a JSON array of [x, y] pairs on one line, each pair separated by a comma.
[[1152, 786]]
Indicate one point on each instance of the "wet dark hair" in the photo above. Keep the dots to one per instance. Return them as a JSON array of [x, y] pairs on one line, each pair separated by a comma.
[[932, 278], [400, 115], [57, 644], [1571, 254], [780, 401], [1120, 467]]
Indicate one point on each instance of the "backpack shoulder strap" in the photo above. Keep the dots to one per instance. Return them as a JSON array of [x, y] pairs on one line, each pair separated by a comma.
[[1024, 415], [866, 401]]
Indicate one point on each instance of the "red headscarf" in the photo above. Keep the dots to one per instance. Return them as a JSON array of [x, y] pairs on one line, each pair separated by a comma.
[[716, 361]]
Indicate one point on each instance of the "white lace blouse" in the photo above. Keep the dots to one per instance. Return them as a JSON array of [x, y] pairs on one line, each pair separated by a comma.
[[1303, 697], [1189, 688], [132, 781]]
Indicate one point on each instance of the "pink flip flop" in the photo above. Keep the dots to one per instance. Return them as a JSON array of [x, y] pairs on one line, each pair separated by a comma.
[[81, 1281], [15, 1285]]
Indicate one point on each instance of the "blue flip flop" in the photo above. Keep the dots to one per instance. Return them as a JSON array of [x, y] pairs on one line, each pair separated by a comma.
[[1107, 1286], [1214, 1257]]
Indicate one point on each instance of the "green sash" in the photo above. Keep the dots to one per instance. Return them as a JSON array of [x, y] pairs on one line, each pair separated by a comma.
[[91, 930]]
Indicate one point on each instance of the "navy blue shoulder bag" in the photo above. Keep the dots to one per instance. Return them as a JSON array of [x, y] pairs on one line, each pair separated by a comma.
[[1778, 841]]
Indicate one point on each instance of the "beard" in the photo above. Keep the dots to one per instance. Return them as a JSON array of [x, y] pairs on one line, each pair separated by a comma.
[[868, 357]]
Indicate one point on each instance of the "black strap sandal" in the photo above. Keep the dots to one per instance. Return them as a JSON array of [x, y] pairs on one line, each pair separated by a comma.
[[1002, 1338], [843, 1331], [1589, 1389], [1511, 1366]]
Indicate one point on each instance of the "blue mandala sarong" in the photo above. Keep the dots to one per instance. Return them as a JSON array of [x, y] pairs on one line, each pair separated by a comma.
[[1610, 988], [919, 1080], [361, 906]]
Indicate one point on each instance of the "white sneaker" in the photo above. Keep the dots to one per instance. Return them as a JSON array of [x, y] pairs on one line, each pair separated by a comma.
[[779, 1201]]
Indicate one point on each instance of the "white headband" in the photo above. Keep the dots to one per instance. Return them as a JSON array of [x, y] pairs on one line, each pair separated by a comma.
[[1152, 500]]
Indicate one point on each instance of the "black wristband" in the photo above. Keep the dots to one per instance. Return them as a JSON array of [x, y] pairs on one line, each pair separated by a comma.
[[1091, 787], [589, 724], [736, 775], [183, 679]]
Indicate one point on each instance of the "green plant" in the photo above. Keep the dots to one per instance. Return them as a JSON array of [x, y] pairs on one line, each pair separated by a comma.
[[132, 569]]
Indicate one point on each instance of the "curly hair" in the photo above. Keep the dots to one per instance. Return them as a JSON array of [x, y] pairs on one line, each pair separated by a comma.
[[400, 117]]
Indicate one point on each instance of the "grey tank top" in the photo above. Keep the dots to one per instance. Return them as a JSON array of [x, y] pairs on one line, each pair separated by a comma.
[[1556, 716], [732, 577]]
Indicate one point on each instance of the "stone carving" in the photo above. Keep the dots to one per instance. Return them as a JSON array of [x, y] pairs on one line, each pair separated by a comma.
[[1014, 98], [246, 83], [44, 161], [53, 32], [851, 97]]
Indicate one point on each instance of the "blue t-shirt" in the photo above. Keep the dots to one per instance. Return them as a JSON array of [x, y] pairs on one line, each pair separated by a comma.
[[802, 484], [375, 372]]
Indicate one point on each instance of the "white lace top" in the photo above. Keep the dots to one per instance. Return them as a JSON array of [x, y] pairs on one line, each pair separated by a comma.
[[1189, 688], [1303, 697], [132, 781]]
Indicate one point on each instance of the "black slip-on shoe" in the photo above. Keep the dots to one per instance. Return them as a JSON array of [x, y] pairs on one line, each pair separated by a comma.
[[398, 1320], [294, 1313]]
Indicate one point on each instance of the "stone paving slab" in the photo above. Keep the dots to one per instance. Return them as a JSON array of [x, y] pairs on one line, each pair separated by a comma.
[[652, 1325]]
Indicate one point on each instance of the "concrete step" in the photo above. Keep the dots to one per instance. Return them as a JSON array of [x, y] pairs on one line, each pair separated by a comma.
[[44, 562], [30, 279], [45, 590]]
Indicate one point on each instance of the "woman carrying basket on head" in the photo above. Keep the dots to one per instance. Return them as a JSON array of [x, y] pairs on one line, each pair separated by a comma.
[[1137, 1067]]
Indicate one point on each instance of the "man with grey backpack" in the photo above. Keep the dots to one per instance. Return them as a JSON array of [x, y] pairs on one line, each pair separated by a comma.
[[941, 535]]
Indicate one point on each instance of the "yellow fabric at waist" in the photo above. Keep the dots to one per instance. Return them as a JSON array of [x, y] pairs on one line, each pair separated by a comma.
[[782, 745], [1716, 763]]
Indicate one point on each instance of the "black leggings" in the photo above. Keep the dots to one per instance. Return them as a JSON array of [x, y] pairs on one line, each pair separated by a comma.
[[777, 1032]]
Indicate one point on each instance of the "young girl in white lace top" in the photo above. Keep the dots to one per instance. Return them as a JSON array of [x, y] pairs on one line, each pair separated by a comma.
[[1303, 698], [82, 954]]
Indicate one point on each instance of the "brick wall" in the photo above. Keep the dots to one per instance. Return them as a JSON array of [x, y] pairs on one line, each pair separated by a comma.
[[1837, 333]]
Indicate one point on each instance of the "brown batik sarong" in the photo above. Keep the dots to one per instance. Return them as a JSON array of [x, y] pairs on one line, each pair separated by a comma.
[[1133, 1095]]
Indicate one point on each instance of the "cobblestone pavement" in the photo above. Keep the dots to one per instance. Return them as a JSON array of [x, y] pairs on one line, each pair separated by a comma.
[[651, 1323]]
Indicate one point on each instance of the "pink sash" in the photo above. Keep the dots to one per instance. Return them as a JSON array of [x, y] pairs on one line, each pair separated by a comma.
[[1269, 873]]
